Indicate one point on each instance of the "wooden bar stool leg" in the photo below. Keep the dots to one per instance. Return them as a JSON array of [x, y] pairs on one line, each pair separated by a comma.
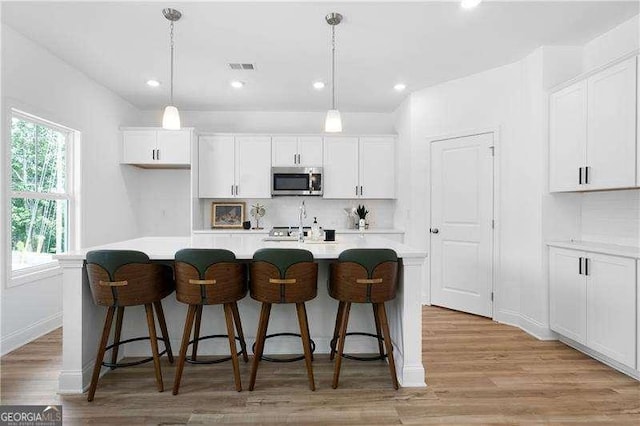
[[236, 319], [186, 334], [306, 321], [376, 317], [336, 329], [154, 345], [260, 337], [306, 342], [343, 332], [101, 350], [387, 341], [116, 337], [163, 329], [228, 313], [196, 333]]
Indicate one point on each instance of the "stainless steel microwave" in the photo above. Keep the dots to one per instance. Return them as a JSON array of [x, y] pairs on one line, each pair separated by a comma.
[[296, 181]]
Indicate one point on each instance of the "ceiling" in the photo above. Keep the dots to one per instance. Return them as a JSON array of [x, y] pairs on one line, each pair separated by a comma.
[[122, 45]]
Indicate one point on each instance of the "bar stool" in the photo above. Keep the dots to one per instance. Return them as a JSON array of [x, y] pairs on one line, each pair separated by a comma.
[[210, 277], [364, 276], [121, 278], [283, 276]]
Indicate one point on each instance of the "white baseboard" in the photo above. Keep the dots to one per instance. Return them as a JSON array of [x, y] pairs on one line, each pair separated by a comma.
[[528, 325], [602, 358], [28, 334]]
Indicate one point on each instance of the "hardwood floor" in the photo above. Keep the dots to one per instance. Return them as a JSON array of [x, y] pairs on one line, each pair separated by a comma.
[[477, 372]]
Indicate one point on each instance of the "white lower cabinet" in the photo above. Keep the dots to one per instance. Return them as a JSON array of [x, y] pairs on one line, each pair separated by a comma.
[[593, 301]]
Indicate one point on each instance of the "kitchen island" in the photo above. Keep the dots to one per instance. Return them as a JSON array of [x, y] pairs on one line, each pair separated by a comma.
[[83, 321]]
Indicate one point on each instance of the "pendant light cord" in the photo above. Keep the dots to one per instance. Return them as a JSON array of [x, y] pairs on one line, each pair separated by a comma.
[[171, 26], [333, 67]]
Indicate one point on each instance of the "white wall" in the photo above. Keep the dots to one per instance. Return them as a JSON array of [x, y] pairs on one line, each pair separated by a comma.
[[37, 82], [617, 42]]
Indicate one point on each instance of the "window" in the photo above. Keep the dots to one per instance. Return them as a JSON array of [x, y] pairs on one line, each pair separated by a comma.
[[41, 191]]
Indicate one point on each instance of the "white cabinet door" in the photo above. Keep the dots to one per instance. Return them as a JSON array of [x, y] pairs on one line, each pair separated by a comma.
[[216, 161], [173, 147], [611, 307], [284, 151], [568, 137], [377, 167], [253, 167], [611, 146], [310, 151], [138, 146], [340, 167], [568, 294]]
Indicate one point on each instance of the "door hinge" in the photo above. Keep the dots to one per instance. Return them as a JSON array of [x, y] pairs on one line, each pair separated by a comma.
[[492, 296], [493, 151]]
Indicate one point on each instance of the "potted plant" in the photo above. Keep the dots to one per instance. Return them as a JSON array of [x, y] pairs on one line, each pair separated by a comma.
[[361, 211]]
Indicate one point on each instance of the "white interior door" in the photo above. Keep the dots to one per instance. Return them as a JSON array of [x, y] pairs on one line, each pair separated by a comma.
[[461, 223]]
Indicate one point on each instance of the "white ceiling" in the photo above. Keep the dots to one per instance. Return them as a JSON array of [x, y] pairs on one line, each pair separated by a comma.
[[121, 45]]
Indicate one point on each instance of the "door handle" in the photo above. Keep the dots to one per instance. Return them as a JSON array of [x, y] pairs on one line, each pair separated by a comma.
[[299, 158], [157, 154], [356, 189], [586, 266], [586, 174], [231, 189], [580, 266], [237, 190], [360, 190], [153, 154], [434, 230], [295, 160], [579, 175]]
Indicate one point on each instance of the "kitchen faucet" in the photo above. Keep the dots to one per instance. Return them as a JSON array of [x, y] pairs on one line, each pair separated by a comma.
[[301, 214]]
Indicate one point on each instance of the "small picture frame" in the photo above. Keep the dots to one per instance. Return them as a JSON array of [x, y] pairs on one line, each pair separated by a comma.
[[227, 215]]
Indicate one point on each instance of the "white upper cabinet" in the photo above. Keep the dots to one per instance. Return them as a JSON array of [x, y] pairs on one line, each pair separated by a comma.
[[593, 132], [253, 167], [359, 167], [568, 137], [611, 140], [377, 171], [157, 148], [234, 167], [293, 151], [340, 171], [216, 167]]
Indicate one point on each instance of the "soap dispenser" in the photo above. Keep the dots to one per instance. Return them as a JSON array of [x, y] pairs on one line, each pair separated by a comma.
[[315, 229]]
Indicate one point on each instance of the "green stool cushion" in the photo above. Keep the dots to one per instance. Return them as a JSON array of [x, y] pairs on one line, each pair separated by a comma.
[[282, 258], [368, 258], [201, 259], [111, 260]]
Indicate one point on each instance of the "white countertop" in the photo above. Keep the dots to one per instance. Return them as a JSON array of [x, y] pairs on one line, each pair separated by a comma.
[[164, 248], [612, 249], [266, 231]]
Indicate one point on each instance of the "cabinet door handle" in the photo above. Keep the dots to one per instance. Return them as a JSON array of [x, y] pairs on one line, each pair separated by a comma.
[[586, 174], [356, 190], [295, 160], [580, 266], [157, 154], [586, 266], [153, 154], [360, 190], [579, 175], [299, 158], [231, 189], [237, 190]]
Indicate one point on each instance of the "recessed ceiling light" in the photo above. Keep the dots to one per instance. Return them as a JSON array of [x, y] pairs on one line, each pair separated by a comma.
[[153, 83], [318, 85], [469, 4], [236, 84], [400, 87]]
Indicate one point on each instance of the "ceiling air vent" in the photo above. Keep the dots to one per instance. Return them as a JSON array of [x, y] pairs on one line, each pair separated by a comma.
[[239, 66]]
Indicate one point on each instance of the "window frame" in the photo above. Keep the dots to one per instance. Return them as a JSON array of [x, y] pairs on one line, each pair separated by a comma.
[[70, 195]]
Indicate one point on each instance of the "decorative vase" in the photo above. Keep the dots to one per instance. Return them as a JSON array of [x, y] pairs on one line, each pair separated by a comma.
[[361, 225]]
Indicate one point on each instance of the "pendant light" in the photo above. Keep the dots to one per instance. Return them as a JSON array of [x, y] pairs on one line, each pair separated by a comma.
[[171, 116], [333, 122]]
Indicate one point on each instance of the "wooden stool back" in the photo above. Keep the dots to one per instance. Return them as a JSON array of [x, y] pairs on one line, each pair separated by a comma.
[[364, 276], [127, 278], [283, 276], [209, 277]]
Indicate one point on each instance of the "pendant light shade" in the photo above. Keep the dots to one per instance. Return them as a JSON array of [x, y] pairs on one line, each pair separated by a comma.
[[171, 116], [333, 122]]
